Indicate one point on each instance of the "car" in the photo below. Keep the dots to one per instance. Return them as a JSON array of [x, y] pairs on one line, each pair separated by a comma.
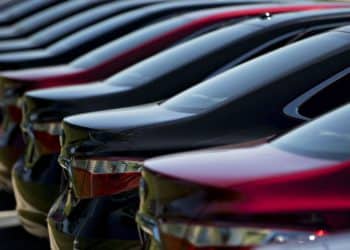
[[103, 152], [55, 32], [30, 25], [290, 189], [121, 53], [22, 10]]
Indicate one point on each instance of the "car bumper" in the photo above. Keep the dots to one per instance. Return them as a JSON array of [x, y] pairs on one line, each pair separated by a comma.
[[101, 223], [34, 197]]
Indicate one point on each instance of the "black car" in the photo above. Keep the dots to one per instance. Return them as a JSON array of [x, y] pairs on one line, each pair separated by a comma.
[[102, 152], [55, 32], [46, 17], [85, 40], [22, 10]]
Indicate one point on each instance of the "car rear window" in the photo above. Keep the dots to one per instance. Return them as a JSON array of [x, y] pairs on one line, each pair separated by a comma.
[[334, 95]]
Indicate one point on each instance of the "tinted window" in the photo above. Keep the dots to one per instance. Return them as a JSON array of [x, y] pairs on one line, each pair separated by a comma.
[[253, 75], [326, 137], [121, 45], [334, 95]]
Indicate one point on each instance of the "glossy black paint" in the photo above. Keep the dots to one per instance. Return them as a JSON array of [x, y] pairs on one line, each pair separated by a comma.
[[98, 64], [83, 41], [23, 9], [254, 109], [64, 28], [150, 81], [28, 26]]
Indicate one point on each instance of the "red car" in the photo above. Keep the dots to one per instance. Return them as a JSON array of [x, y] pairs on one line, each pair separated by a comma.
[[292, 188], [113, 57]]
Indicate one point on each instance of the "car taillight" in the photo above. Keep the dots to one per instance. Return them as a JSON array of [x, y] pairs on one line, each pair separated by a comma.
[[188, 236], [42, 139], [99, 177]]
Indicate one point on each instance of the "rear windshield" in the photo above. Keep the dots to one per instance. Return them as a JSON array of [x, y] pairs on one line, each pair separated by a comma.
[[327, 137]]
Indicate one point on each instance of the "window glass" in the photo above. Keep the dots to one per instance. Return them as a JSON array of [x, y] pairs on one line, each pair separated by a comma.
[[326, 137], [334, 95]]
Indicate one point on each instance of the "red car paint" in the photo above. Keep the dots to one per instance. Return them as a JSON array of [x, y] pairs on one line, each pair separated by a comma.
[[289, 182]]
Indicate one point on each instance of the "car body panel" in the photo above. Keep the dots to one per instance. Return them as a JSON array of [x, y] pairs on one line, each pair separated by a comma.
[[142, 77], [268, 186], [219, 133]]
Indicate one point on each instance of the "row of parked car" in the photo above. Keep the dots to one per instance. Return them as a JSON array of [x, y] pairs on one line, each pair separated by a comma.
[[96, 94]]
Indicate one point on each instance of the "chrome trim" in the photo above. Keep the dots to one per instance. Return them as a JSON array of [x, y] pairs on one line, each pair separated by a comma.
[[148, 225], [106, 166]]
